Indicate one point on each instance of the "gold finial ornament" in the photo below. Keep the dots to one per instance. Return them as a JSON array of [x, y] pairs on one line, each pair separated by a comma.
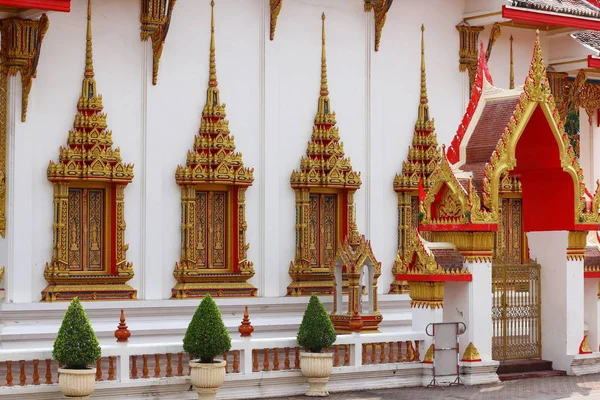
[[156, 20], [423, 121], [511, 84], [1, 274], [471, 354], [324, 88]]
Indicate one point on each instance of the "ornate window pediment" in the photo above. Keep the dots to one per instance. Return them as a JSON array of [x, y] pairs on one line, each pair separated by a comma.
[[88, 259], [213, 213]]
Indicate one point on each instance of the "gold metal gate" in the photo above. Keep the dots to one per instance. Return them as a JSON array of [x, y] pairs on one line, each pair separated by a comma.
[[516, 311]]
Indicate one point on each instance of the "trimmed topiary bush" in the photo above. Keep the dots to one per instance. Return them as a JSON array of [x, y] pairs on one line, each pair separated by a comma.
[[76, 345], [206, 336], [316, 331]]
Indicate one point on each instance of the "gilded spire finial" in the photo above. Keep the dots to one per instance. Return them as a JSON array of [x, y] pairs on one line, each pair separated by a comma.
[[89, 62], [88, 86], [511, 84], [213, 98], [212, 79], [423, 122], [324, 89]]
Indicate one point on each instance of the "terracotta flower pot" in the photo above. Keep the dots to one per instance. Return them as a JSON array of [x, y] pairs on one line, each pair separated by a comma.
[[317, 367], [207, 378], [77, 382]]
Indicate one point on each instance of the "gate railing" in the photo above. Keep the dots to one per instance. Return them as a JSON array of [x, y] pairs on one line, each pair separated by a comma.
[[516, 311]]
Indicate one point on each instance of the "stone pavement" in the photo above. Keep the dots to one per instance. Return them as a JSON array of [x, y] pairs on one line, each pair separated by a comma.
[[563, 387]]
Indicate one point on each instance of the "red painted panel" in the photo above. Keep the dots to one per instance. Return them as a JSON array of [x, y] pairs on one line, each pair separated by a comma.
[[593, 62], [435, 278], [49, 5], [548, 191], [541, 17]]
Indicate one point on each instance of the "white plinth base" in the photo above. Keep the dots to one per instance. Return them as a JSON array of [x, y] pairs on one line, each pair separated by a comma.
[[585, 364], [479, 373]]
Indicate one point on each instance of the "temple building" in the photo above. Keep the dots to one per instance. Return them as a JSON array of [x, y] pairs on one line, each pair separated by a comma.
[[410, 165]]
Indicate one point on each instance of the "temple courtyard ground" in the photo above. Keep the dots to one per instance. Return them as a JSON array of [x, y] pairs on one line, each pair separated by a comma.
[[563, 387]]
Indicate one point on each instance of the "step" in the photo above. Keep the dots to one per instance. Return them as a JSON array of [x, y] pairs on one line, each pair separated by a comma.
[[524, 365], [527, 375]]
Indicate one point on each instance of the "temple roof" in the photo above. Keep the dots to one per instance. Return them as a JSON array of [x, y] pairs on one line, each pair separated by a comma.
[[580, 8], [590, 39]]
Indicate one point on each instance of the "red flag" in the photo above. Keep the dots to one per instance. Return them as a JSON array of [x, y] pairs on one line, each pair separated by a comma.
[[421, 190]]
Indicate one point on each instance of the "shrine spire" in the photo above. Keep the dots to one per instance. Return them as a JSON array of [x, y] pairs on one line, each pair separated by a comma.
[[212, 79], [423, 121], [324, 88], [324, 113], [89, 61], [213, 97], [511, 84], [89, 94]]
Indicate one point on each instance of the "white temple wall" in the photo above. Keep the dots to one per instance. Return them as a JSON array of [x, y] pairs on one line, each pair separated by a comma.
[[586, 150], [271, 91]]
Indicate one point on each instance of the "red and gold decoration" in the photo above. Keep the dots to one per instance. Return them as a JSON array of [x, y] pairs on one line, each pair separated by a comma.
[[428, 359], [426, 267], [351, 259], [275, 7], [245, 329], [584, 347], [380, 9], [324, 188], [88, 258], [468, 53], [122, 333], [213, 215], [423, 156], [471, 354], [155, 18], [21, 44]]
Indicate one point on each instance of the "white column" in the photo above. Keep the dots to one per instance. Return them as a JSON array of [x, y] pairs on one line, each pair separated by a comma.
[[153, 272], [592, 312], [471, 303], [270, 268], [19, 273], [561, 295]]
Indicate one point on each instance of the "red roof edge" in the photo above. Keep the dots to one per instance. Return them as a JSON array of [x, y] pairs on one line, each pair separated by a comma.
[[550, 18], [482, 68], [47, 5], [593, 62], [460, 277]]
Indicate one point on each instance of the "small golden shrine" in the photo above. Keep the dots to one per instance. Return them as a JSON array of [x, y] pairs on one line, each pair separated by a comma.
[[423, 156], [88, 257], [213, 212], [354, 257], [427, 267], [324, 188]]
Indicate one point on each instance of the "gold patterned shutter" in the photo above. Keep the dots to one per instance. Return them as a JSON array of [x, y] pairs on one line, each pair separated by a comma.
[[86, 233], [211, 229], [328, 216]]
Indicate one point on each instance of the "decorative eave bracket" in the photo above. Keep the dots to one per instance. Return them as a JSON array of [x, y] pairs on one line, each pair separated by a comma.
[[380, 9], [21, 43], [275, 6], [155, 17]]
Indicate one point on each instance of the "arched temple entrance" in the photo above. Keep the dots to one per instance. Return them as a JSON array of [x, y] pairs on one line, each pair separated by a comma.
[[513, 204]]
